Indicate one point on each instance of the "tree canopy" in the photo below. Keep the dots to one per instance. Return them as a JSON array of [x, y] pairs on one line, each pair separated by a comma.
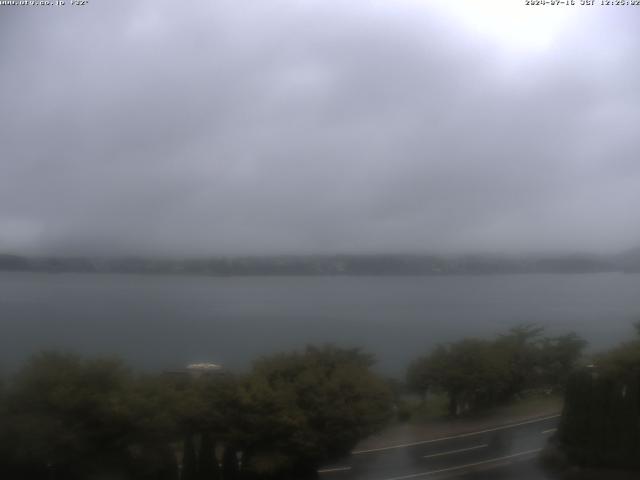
[[601, 418], [477, 373], [68, 417]]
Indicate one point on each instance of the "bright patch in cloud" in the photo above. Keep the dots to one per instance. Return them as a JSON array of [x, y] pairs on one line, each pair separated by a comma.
[[511, 23]]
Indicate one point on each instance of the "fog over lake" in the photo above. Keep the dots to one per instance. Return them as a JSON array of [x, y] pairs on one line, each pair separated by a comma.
[[160, 322], [235, 129]]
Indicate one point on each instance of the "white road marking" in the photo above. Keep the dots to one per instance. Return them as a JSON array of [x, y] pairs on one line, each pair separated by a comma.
[[546, 432], [468, 465], [333, 470], [484, 445], [452, 437]]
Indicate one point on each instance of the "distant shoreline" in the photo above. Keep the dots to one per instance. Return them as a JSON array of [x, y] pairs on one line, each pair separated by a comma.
[[327, 265]]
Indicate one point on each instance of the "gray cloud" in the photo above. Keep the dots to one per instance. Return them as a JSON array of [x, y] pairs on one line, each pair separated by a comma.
[[280, 126]]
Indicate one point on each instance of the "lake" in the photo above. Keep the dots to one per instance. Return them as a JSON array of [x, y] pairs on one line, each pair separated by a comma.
[[159, 322]]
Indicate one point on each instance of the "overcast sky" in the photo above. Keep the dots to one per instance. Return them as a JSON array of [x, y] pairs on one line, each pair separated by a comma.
[[269, 126]]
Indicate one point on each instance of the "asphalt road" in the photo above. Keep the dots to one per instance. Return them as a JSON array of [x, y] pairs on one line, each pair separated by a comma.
[[502, 452]]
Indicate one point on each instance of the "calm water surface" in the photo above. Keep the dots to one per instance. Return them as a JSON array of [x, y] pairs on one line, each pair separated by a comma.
[[158, 322]]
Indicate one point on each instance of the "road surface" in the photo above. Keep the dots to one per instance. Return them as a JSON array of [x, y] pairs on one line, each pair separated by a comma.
[[502, 452]]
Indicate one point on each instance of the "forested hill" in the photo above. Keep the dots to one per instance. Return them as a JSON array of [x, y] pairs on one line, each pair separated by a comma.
[[329, 264]]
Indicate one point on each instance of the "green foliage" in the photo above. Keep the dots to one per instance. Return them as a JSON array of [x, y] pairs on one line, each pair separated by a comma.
[[521, 349], [64, 416], [622, 360], [477, 374], [312, 406], [601, 418], [558, 356], [472, 372], [419, 377], [68, 414]]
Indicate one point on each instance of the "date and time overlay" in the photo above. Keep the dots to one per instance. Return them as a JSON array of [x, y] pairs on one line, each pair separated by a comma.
[[583, 3], [554, 3], [44, 3]]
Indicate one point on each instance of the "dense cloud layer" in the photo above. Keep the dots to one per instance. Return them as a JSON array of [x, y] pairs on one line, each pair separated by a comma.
[[227, 127]]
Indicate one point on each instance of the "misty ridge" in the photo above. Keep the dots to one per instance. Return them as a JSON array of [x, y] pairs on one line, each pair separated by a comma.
[[362, 264]]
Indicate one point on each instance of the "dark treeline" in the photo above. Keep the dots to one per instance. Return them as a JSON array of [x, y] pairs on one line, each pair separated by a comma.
[[477, 374], [600, 424], [329, 264], [63, 416], [68, 417]]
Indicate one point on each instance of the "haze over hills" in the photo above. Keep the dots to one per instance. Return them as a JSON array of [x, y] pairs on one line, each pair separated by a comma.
[[340, 264], [319, 126]]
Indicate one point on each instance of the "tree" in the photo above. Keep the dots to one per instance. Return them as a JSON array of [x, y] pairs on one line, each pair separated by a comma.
[[599, 424], [471, 372], [521, 345], [303, 408], [189, 460], [482, 373], [558, 357], [230, 464], [68, 415], [207, 465], [420, 376]]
